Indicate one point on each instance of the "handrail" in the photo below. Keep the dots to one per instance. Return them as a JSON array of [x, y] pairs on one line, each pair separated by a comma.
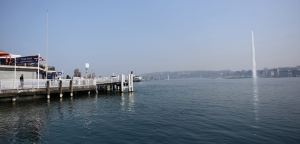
[[6, 84], [35, 83]]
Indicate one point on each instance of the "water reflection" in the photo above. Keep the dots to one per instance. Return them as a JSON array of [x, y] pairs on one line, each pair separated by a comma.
[[60, 109], [28, 121], [127, 103], [20, 123], [96, 98], [255, 103]]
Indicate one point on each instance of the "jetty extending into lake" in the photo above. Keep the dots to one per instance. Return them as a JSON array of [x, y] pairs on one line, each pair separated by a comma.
[[12, 89]]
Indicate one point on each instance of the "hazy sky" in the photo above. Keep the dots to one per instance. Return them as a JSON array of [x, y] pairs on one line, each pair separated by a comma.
[[153, 35]]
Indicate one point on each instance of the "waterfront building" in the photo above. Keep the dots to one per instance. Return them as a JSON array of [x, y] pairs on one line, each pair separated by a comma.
[[13, 65]]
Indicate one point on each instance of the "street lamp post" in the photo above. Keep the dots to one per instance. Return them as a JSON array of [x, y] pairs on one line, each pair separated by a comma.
[[86, 68]]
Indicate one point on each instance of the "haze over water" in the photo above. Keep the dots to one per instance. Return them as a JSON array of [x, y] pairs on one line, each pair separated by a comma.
[[152, 36], [174, 111]]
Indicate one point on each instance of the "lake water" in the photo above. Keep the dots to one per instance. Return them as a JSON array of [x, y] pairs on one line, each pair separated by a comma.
[[170, 111]]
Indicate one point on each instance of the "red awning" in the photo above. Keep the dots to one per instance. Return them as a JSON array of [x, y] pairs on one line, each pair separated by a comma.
[[3, 53]]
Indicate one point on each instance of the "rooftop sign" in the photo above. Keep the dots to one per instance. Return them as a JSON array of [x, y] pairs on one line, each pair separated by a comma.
[[27, 59]]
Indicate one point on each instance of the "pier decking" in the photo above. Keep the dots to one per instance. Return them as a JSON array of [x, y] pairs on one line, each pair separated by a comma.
[[11, 88]]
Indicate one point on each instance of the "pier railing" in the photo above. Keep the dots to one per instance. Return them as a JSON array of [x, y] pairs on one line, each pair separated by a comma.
[[41, 83], [34, 83], [110, 79], [107, 80]]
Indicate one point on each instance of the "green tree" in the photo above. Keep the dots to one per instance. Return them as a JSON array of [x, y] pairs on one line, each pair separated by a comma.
[[68, 77], [77, 73]]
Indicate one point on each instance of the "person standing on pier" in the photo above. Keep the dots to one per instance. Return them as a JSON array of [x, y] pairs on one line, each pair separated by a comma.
[[21, 81]]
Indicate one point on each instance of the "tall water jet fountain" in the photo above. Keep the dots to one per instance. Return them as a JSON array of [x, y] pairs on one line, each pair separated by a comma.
[[253, 58]]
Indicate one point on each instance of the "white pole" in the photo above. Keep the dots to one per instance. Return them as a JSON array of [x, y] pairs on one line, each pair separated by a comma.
[[47, 49], [253, 58], [39, 71], [15, 73]]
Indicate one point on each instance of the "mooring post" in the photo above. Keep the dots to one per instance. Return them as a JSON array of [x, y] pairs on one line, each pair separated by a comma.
[[60, 89], [122, 83], [130, 83], [71, 88], [48, 89]]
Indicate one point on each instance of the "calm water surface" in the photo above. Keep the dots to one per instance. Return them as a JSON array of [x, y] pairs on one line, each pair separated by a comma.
[[174, 111]]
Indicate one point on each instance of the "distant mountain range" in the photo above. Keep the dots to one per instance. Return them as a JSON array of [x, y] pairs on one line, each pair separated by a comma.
[[274, 72], [191, 74]]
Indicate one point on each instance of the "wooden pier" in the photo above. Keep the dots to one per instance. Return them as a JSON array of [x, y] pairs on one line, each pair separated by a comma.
[[68, 87]]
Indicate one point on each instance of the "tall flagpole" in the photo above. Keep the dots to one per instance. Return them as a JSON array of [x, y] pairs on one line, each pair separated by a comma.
[[253, 58], [15, 72], [39, 71], [47, 49]]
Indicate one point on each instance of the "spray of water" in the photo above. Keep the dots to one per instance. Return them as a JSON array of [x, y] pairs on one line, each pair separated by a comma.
[[253, 58]]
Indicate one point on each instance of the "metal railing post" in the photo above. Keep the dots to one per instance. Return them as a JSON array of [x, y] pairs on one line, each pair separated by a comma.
[[32, 83], [18, 86]]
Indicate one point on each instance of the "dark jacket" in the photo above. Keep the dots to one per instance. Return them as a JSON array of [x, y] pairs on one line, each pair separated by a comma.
[[21, 79]]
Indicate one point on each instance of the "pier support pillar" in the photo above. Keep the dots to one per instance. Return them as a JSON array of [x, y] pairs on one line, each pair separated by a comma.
[[111, 87], [71, 88], [130, 83], [60, 89], [122, 89], [96, 90], [48, 89], [108, 88], [89, 92]]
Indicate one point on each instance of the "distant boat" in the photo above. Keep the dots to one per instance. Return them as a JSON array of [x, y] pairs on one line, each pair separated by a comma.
[[137, 79]]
